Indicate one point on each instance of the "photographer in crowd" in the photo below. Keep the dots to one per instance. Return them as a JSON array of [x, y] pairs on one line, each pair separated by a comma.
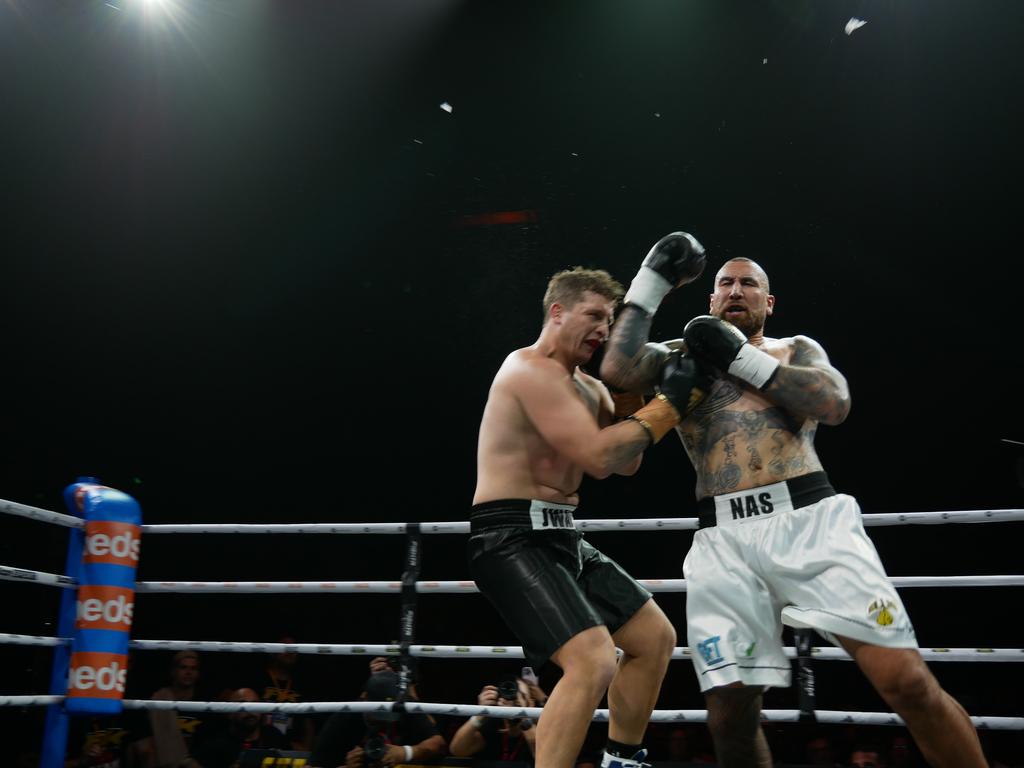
[[394, 664], [376, 738], [509, 739]]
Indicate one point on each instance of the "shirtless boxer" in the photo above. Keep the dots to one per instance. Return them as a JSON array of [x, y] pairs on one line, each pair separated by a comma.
[[546, 423], [777, 544]]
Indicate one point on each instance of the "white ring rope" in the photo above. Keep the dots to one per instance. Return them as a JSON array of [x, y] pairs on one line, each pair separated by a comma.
[[462, 587], [11, 639], [29, 701], [467, 587], [45, 515], [7, 573], [453, 527], [633, 524], [468, 710], [637, 524], [436, 587], [939, 518], [472, 651]]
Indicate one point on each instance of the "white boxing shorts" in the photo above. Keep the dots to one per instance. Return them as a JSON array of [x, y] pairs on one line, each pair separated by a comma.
[[793, 552]]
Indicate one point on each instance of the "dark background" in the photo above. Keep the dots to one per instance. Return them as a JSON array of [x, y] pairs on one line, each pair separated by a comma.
[[242, 281]]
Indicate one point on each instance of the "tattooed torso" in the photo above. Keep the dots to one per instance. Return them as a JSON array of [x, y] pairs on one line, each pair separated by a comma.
[[738, 439]]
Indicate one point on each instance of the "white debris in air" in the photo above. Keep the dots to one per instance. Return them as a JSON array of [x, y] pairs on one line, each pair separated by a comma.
[[854, 24], [446, 107], [764, 61]]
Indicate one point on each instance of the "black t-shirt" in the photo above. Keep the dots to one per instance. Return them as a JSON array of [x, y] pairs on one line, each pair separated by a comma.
[[281, 690], [503, 746], [220, 747], [97, 742], [344, 731], [189, 722]]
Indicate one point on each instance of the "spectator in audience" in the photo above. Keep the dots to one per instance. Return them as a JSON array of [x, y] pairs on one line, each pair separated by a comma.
[[819, 750], [281, 685], [166, 734], [219, 743], [383, 738], [504, 739], [902, 752], [96, 742], [393, 664], [866, 756]]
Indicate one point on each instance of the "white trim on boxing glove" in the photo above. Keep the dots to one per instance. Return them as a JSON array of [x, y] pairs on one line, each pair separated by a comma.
[[753, 365], [647, 290]]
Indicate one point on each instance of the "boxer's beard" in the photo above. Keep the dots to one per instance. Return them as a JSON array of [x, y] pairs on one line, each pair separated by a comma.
[[749, 322]]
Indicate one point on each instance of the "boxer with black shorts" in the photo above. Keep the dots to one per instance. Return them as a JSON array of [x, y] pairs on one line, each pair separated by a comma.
[[777, 544], [547, 422]]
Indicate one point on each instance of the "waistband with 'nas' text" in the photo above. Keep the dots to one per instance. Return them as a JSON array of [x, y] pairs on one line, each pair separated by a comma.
[[764, 501]]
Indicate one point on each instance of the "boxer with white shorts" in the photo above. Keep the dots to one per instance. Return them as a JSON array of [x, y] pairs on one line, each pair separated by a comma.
[[777, 545], [805, 545]]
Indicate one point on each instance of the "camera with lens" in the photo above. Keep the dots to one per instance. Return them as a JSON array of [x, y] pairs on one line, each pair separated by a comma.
[[394, 664], [508, 690], [374, 749]]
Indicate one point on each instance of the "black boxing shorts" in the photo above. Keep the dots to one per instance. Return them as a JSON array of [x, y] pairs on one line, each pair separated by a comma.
[[548, 584]]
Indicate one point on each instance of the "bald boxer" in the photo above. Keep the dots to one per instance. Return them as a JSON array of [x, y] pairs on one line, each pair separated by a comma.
[[545, 424], [777, 544]]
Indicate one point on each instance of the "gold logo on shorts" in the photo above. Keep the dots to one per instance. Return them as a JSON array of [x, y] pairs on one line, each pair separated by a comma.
[[880, 611]]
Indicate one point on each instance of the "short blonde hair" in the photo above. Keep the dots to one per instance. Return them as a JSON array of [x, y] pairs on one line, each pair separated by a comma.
[[568, 286]]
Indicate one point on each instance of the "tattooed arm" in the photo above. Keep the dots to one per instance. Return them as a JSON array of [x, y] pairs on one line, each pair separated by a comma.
[[630, 362], [808, 385]]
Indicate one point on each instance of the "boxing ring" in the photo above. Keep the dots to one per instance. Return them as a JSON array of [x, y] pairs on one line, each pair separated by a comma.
[[409, 587]]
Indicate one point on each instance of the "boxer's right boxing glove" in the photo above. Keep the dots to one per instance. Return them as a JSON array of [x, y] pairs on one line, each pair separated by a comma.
[[725, 346], [683, 385], [674, 260]]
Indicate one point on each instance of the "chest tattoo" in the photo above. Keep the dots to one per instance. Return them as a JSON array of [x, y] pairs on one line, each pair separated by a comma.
[[723, 394], [751, 426]]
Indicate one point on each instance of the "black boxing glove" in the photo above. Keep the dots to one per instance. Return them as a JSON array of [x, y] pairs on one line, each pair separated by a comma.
[[684, 384], [675, 260], [722, 344], [685, 381]]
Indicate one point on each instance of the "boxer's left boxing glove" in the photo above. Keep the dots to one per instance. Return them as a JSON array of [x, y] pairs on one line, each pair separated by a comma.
[[722, 344], [675, 260], [683, 385]]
